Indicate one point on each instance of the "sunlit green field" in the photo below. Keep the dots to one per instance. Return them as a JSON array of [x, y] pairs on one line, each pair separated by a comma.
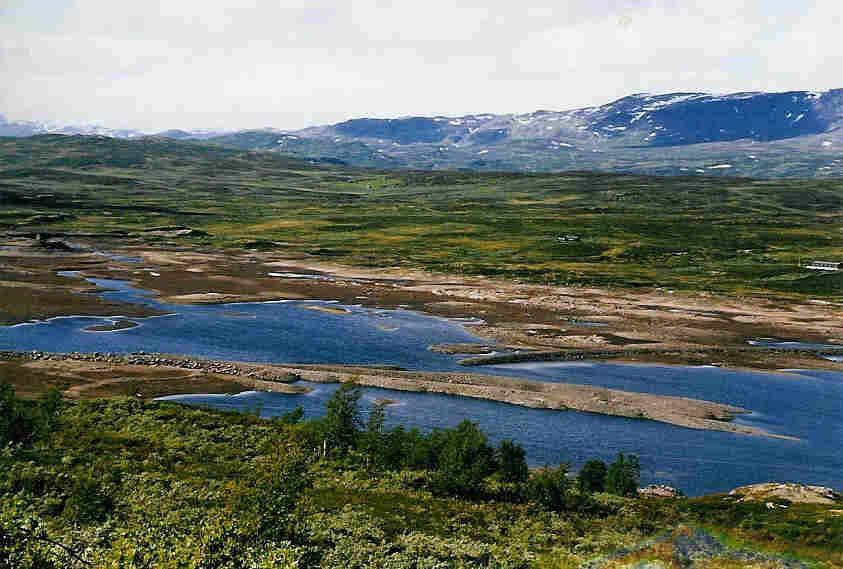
[[730, 235]]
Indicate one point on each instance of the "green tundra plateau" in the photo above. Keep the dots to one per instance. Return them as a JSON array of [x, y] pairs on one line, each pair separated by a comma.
[[726, 235]]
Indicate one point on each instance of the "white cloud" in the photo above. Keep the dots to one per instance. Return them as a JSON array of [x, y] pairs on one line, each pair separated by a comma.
[[202, 63]]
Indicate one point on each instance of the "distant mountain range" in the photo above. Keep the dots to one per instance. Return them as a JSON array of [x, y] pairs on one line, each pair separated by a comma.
[[34, 128], [793, 134]]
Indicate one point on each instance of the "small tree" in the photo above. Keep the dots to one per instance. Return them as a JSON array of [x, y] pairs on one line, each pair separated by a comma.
[[48, 412], [376, 418], [465, 460], [293, 417], [342, 420], [512, 462], [624, 475], [592, 477], [8, 413], [548, 487], [412, 449], [277, 483]]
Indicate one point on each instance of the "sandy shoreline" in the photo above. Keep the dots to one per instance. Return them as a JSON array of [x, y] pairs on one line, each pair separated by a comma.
[[645, 354]]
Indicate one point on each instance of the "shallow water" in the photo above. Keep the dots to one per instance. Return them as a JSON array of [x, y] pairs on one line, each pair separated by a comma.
[[806, 404], [266, 331]]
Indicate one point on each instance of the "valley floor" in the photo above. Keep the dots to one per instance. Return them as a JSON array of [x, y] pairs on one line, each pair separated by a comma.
[[577, 266]]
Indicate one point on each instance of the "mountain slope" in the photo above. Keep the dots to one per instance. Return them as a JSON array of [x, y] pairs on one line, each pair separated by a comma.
[[794, 134], [637, 120]]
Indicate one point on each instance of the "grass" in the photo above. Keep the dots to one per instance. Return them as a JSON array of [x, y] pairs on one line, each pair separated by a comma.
[[797, 530]]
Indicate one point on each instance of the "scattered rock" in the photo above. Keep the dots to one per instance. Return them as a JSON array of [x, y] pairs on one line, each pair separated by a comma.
[[660, 491], [263, 373], [768, 492]]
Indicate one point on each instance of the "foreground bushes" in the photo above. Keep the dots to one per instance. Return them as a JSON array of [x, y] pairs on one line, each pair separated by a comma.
[[131, 484], [126, 483]]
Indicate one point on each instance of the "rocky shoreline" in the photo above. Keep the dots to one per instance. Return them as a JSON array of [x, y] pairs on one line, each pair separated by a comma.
[[154, 359], [258, 377]]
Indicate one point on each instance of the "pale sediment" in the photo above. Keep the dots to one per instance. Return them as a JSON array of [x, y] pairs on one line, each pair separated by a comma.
[[680, 411], [640, 324], [462, 349], [574, 355]]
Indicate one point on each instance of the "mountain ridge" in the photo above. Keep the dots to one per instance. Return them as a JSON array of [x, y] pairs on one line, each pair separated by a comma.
[[758, 134]]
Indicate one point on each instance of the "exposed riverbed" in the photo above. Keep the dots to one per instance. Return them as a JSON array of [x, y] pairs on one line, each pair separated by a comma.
[[808, 405]]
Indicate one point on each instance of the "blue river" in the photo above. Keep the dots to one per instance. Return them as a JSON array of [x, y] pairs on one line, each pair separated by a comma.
[[807, 404]]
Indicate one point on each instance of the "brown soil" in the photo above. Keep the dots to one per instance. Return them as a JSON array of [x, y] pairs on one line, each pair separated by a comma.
[[31, 289]]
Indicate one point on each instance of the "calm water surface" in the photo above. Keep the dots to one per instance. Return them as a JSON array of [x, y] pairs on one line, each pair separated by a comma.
[[805, 404]]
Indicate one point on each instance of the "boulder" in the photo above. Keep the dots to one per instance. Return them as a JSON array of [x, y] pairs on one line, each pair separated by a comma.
[[792, 492], [659, 491]]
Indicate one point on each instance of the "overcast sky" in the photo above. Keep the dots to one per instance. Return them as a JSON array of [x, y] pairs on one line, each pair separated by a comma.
[[156, 64]]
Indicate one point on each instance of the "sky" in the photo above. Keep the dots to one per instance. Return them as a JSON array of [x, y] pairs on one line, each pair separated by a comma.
[[158, 64]]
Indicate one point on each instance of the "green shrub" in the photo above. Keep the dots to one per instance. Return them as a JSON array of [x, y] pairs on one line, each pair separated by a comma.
[[592, 476], [512, 462], [548, 487], [623, 476], [342, 419], [466, 459]]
